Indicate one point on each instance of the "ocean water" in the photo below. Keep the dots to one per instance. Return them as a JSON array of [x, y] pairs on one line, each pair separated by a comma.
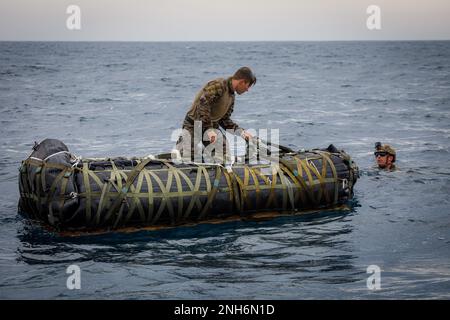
[[125, 99]]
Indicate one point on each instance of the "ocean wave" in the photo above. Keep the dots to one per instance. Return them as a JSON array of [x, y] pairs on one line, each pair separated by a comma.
[[373, 100], [9, 73], [112, 65], [100, 100], [38, 68]]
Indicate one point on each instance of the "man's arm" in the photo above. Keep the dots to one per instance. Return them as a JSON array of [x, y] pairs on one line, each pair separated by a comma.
[[211, 92], [227, 123]]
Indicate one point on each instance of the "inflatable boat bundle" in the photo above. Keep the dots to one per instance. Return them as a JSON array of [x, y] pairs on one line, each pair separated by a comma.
[[70, 193]]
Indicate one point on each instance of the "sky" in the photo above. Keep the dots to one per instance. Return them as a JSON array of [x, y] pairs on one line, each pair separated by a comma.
[[224, 20]]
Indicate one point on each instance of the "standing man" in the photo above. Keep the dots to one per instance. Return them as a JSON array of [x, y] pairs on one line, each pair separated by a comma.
[[211, 109]]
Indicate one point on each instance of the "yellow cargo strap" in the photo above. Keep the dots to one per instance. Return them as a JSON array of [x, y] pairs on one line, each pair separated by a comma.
[[42, 176], [87, 185], [312, 167], [302, 166], [25, 193], [273, 187], [290, 190], [101, 203], [165, 199], [212, 193], [179, 192], [38, 189], [149, 196], [283, 187], [116, 182], [335, 176], [267, 183], [123, 191], [293, 174], [104, 195], [230, 188], [119, 214], [235, 190], [244, 188], [208, 182], [117, 177], [257, 188], [49, 199], [135, 201], [103, 186], [64, 182], [324, 176], [193, 192]]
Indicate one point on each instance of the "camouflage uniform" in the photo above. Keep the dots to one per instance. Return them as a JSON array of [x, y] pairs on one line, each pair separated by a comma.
[[390, 151], [213, 106]]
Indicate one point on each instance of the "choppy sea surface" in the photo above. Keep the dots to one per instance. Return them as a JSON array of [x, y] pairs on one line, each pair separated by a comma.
[[125, 99]]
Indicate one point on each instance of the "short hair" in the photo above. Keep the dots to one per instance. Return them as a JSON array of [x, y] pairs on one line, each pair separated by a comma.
[[246, 74]]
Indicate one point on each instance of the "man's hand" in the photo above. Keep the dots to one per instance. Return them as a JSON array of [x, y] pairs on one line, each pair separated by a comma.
[[212, 135], [246, 135]]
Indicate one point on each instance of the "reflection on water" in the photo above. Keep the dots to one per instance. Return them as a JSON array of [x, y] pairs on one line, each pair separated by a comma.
[[299, 248]]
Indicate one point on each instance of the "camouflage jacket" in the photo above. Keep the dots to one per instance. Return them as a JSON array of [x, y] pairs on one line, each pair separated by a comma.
[[213, 105]]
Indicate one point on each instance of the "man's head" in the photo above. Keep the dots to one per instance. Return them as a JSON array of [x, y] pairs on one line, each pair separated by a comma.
[[243, 79], [385, 155]]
